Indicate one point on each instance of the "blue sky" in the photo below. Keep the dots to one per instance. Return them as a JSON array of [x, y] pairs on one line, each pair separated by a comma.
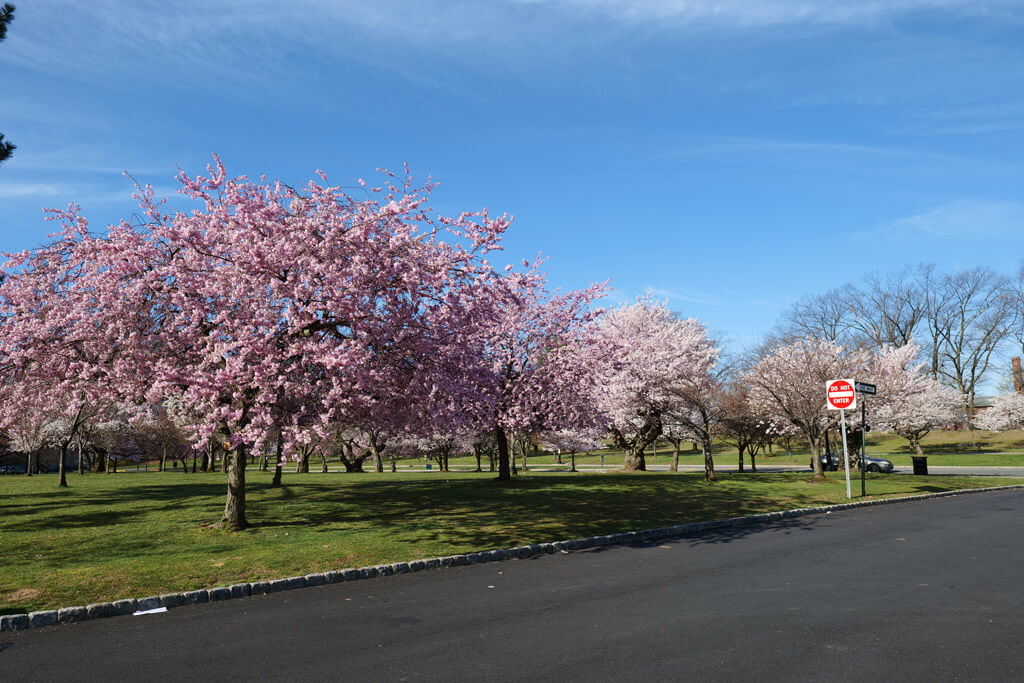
[[731, 156]]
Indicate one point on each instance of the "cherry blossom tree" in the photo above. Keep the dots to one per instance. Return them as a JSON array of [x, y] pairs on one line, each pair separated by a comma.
[[574, 441], [743, 427], [536, 354], [909, 402], [788, 384], [261, 294], [1006, 412], [659, 361], [704, 404], [51, 359], [29, 433]]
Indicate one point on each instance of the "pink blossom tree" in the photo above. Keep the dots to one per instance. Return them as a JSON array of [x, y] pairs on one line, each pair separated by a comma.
[[536, 353], [51, 361], [263, 297], [788, 384], [659, 364]]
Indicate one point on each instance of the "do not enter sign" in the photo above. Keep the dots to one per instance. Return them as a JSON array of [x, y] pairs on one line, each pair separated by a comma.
[[840, 394]]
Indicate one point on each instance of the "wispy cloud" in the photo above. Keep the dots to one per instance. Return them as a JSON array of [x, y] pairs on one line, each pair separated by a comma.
[[965, 217], [686, 296], [60, 194], [18, 190], [781, 152], [246, 39], [973, 120], [759, 13]]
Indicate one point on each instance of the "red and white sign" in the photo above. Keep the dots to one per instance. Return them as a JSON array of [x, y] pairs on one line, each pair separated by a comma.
[[840, 394]]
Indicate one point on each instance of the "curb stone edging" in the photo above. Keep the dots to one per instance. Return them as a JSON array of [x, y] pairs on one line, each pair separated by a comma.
[[99, 610]]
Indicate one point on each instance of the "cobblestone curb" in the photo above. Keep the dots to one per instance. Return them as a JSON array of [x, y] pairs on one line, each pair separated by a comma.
[[16, 622]]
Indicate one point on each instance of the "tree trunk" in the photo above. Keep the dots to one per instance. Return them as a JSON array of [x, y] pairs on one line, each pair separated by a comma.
[[819, 474], [504, 473], [234, 507], [78, 447], [916, 443], [302, 466], [349, 459], [323, 457], [709, 460], [63, 479], [479, 457], [634, 459], [740, 449], [100, 463], [378, 461], [195, 459], [28, 464], [753, 461], [264, 463], [572, 456], [278, 462], [676, 447]]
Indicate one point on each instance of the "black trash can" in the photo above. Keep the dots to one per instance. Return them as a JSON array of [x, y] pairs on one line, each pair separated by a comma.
[[920, 464]]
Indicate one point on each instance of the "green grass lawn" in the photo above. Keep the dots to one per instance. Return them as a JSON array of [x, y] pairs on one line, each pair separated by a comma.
[[133, 535]]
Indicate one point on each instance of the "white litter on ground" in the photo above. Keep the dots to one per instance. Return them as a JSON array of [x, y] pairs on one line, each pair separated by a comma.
[[148, 611]]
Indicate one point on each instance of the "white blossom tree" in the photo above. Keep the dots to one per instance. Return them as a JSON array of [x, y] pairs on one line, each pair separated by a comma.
[[909, 402], [1006, 412], [655, 352], [788, 384]]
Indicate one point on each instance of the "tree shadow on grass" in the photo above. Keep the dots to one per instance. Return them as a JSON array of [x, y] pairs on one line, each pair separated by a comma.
[[458, 512], [82, 507], [484, 514]]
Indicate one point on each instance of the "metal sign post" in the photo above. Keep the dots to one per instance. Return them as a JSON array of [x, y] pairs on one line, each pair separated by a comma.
[[846, 453], [865, 391], [863, 445], [840, 395]]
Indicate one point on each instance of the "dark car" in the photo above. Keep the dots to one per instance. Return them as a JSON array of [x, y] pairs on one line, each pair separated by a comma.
[[829, 462], [877, 464]]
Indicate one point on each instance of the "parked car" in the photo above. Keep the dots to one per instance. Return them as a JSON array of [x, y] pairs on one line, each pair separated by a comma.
[[829, 462], [877, 464]]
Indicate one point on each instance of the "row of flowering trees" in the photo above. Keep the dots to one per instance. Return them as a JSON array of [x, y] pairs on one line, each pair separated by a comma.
[[276, 320]]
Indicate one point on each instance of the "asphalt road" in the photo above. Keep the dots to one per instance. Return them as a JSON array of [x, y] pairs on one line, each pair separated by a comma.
[[923, 591]]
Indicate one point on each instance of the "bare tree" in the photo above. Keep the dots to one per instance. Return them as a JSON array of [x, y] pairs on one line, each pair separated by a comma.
[[888, 309], [824, 316], [970, 316]]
